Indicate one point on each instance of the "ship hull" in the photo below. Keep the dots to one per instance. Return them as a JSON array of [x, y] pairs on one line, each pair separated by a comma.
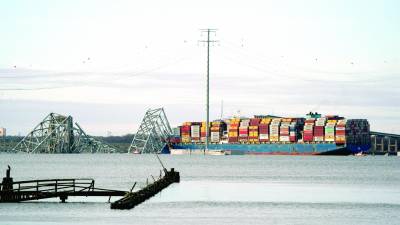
[[263, 149]]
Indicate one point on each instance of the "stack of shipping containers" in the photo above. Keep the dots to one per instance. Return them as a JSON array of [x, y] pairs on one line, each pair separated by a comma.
[[263, 129], [195, 132], [253, 130], [357, 132], [340, 132], [233, 130], [244, 130], [284, 130], [203, 132], [216, 131], [330, 130], [308, 130], [319, 129], [185, 132], [293, 131], [274, 130]]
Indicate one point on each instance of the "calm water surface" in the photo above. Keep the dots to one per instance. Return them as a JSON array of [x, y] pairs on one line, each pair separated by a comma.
[[217, 190]]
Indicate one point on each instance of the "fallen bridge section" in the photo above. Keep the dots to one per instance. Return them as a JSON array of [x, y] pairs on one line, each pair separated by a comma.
[[384, 143]]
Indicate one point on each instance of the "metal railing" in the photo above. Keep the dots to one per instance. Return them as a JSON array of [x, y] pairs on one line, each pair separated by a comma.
[[54, 185]]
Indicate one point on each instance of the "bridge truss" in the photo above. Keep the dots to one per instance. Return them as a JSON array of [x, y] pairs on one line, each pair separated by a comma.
[[59, 134], [152, 134]]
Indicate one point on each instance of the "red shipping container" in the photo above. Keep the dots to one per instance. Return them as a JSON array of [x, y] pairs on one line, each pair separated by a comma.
[[185, 128], [254, 122], [233, 140], [263, 129], [308, 138]]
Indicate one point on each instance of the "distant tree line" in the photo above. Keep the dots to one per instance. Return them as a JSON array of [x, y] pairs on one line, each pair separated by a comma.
[[117, 139], [8, 142]]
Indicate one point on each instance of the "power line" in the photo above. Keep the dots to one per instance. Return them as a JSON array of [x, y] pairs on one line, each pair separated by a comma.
[[277, 70], [80, 83], [273, 61]]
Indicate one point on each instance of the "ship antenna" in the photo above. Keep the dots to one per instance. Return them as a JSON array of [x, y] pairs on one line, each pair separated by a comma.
[[222, 109]]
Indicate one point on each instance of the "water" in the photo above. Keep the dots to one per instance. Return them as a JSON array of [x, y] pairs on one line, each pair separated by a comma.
[[217, 190]]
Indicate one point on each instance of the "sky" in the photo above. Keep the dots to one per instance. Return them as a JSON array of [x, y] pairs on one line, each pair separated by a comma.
[[107, 62]]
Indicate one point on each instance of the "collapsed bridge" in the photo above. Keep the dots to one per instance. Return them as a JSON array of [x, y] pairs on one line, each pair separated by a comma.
[[59, 134]]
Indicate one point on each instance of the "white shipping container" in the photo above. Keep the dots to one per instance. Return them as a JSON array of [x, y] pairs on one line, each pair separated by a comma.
[[263, 136], [214, 136], [195, 131], [318, 138], [284, 138]]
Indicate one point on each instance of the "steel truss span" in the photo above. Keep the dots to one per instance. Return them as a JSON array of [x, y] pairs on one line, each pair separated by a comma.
[[153, 133], [59, 134]]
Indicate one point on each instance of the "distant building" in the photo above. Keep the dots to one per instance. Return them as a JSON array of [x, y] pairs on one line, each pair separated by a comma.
[[2, 132]]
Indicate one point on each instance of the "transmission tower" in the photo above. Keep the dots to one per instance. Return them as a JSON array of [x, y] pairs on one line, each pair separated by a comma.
[[153, 133], [58, 134], [208, 41]]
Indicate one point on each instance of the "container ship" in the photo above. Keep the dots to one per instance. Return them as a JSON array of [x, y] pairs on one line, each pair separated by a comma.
[[270, 135]]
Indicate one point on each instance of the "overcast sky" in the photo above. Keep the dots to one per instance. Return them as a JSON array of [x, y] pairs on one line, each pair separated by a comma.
[[106, 62]]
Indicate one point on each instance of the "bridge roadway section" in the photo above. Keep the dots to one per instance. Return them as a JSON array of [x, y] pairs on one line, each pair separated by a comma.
[[384, 143]]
